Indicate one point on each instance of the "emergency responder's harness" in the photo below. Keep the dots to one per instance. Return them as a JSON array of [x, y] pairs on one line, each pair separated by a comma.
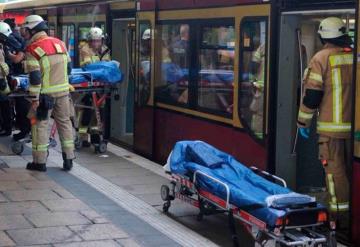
[[41, 50]]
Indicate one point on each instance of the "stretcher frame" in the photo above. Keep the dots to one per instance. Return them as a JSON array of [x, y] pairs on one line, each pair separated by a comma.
[[99, 93], [186, 190]]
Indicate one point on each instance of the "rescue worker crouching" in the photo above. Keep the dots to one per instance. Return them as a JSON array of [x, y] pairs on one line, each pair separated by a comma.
[[48, 65], [327, 92], [93, 51]]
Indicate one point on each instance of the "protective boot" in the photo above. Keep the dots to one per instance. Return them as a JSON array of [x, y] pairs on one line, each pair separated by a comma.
[[36, 167], [68, 164]]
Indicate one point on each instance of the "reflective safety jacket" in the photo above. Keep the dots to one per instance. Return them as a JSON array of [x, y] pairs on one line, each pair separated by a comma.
[[328, 91], [4, 72], [48, 56], [88, 55]]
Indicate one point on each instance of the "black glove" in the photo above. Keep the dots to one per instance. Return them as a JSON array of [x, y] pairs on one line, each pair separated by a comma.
[[3, 84], [46, 103]]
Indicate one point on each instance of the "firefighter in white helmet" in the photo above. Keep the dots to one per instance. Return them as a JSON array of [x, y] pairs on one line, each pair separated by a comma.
[[48, 65], [327, 95], [94, 50]]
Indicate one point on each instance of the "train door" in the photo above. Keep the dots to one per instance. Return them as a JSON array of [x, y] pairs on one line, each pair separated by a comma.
[[297, 157], [144, 92], [122, 103]]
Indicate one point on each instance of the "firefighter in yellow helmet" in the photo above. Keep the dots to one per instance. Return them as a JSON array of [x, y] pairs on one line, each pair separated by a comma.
[[48, 65], [327, 94], [93, 51]]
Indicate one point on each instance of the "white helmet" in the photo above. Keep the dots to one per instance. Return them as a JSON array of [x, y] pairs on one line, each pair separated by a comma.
[[32, 21], [5, 29], [332, 27], [146, 34], [95, 33]]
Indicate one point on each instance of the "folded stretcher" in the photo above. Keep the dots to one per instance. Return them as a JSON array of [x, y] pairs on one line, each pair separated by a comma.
[[215, 182], [97, 80]]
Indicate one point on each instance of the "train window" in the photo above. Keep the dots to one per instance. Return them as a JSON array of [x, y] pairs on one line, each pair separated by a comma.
[[68, 36], [253, 74], [144, 76], [173, 69], [216, 75]]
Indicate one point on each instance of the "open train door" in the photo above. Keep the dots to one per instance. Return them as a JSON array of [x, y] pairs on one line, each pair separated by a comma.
[[296, 158], [144, 87]]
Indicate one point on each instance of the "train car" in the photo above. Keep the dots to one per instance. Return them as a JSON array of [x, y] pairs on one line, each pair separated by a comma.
[[70, 21], [230, 73]]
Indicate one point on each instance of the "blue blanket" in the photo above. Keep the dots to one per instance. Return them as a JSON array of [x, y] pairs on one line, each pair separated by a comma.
[[248, 190], [105, 72]]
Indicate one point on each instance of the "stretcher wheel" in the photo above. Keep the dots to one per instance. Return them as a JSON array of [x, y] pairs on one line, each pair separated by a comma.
[[165, 192], [102, 147], [52, 142], [166, 206], [17, 148], [78, 143]]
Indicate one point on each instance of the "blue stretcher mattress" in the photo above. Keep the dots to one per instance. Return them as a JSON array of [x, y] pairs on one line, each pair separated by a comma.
[[247, 190], [105, 72]]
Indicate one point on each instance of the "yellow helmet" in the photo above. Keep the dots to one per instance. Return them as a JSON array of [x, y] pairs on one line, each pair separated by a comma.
[[332, 27]]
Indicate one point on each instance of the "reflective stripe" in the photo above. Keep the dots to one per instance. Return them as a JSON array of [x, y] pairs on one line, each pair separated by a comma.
[[35, 88], [83, 130], [5, 69], [65, 58], [58, 49], [32, 62], [40, 52], [45, 71], [95, 58], [331, 188], [56, 88], [40, 147], [337, 95], [315, 77], [305, 115], [67, 143], [333, 127], [338, 60], [339, 207]]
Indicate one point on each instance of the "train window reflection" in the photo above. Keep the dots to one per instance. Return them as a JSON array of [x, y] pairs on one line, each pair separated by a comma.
[[144, 77], [173, 68], [216, 75], [253, 75]]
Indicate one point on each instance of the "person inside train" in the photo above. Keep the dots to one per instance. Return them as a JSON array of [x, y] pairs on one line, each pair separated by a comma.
[[145, 74], [94, 50], [180, 47], [257, 104]]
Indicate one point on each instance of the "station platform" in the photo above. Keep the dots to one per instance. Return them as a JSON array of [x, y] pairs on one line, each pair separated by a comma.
[[110, 199]]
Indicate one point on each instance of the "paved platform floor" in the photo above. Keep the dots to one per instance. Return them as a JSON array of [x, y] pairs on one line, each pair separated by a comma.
[[110, 199]]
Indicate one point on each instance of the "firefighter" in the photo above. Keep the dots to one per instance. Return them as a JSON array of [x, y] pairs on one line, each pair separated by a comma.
[[93, 51], [48, 65], [14, 54], [327, 94]]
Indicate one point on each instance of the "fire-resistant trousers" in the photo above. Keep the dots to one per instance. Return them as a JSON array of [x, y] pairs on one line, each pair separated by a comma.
[[335, 154], [40, 131]]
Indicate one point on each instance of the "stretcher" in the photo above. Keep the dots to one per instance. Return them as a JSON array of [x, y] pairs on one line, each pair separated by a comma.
[[97, 80], [215, 183]]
